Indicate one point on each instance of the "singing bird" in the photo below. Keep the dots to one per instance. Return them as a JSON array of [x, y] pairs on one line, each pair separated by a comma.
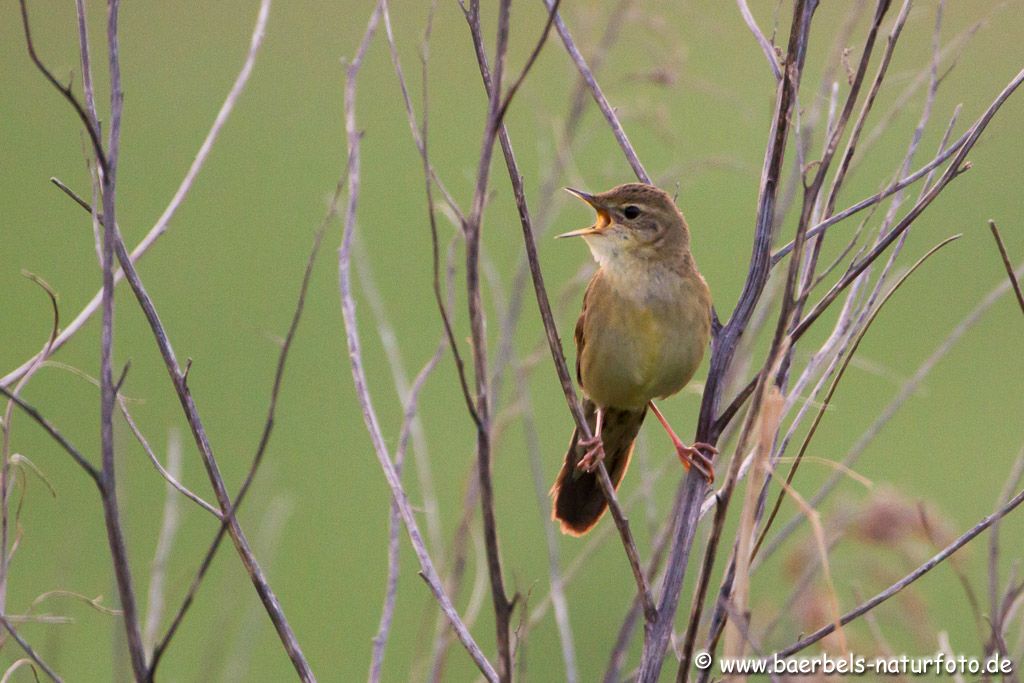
[[645, 323]]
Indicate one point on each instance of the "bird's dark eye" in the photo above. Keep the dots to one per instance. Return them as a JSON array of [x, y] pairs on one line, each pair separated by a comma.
[[631, 212]]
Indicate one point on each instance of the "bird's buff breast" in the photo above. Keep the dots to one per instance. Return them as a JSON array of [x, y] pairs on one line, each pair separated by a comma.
[[641, 346]]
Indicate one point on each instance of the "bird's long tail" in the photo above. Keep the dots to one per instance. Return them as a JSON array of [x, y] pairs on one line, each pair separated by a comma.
[[579, 501]]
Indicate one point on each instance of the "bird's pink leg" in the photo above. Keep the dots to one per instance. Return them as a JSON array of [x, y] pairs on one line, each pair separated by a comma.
[[595, 448], [689, 455]]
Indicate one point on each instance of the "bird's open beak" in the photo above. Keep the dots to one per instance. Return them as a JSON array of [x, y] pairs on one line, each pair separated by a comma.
[[582, 232], [602, 215], [585, 196]]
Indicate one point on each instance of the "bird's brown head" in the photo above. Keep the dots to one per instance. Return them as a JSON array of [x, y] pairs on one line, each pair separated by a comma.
[[635, 220]]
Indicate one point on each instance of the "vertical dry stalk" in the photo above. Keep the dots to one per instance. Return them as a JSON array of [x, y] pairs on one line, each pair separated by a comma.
[[105, 477], [111, 513], [723, 346], [771, 412], [428, 571], [472, 228]]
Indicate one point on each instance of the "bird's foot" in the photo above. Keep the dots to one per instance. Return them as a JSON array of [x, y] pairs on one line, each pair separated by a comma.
[[694, 455], [593, 455]]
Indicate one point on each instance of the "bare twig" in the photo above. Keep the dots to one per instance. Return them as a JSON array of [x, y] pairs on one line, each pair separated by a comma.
[[473, 229], [910, 578], [1006, 262], [162, 223], [105, 478], [418, 135], [602, 102], [5, 439], [389, 341], [75, 454], [33, 655], [108, 392], [168, 475], [766, 45], [880, 196], [86, 64], [618, 654], [239, 656], [996, 614], [227, 516], [514, 88], [88, 122]]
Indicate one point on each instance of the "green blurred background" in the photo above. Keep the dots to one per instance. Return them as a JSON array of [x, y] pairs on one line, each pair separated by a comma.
[[695, 95]]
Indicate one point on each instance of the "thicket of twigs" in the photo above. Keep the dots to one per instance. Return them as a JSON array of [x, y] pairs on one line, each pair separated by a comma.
[[762, 400]]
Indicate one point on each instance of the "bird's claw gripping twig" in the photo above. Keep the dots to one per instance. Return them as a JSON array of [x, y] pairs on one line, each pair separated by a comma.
[[593, 455], [694, 455]]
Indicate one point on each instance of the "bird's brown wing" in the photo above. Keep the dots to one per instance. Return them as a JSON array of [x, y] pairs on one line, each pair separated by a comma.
[[579, 336]]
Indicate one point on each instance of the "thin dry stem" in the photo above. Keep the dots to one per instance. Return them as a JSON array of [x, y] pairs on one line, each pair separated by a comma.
[[767, 47], [33, 655], [411, 399], [1006, 263], [739, 602], [473, 230], [5, 440], [167, 474], [686, 511], [838, 378], [108, 391], [169, 525]]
